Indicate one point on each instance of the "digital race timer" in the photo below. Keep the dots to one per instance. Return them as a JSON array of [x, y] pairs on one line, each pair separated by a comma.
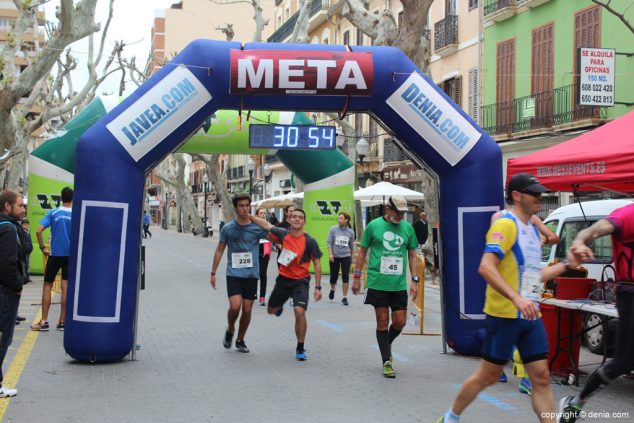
[[292, 137]]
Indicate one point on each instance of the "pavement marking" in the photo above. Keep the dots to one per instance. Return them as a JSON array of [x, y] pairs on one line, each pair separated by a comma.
[[19, 362], [330, 325], [491, 399], [396, 356]]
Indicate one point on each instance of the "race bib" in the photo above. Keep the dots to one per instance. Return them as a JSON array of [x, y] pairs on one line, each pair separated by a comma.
[[241, 260], [391, 265], [341, 241], [285, 257], [532, 285]]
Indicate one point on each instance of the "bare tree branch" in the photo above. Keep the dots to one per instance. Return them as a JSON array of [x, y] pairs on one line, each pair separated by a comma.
[[620, 15]]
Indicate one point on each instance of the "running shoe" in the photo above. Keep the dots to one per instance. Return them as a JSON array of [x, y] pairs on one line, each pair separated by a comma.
[[388, 371], [279, 312], [7, 392], [503, 378], [20, 318], [41, 326], [344, 301], [226, 342], [60, 326], [526, 387], [331, 294], [241, 346], [568, 412], [262, 302], [301, 355]]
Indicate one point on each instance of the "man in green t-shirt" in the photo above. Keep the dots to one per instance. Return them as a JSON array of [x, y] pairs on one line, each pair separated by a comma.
[[392, 242]]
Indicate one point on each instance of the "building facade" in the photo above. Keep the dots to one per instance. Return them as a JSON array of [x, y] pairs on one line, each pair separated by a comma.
[[529, 72]]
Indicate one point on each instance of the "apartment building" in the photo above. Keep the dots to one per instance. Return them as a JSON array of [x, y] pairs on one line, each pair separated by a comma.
[[530, 72], [173, 29]]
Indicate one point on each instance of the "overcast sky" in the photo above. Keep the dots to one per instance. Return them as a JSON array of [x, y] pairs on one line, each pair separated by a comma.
[[132, 22]]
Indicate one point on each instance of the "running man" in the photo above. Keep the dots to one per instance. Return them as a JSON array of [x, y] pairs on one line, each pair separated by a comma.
[[392, 242], [619, 224], [298, 250], [511, 308], [242, 237]]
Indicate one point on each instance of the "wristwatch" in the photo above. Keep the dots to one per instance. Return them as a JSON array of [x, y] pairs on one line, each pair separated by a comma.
[[415, 279], [318, 287]]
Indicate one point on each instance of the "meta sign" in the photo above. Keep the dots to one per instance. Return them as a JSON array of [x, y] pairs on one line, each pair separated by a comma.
[[301, 72], [596, 76]]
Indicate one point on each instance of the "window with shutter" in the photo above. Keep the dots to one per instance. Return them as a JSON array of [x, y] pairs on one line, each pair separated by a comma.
[[542, 68], [453, 88], [473, 100], [505, 86], [587, 34]]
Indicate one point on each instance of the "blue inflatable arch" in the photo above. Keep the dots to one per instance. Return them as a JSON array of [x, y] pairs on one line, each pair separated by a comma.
[[115, 154]]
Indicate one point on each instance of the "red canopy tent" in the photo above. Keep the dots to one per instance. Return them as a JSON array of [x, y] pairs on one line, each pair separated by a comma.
[[599, 160]]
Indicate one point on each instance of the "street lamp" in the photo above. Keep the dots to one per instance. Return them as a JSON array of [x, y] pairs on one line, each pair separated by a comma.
[[250, 169], [165, 211], [362, 149], [205, 182], [268, 172]]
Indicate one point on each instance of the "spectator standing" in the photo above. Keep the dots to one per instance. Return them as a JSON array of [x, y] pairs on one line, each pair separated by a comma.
[[59, 220], [421, 228], [13, 273]]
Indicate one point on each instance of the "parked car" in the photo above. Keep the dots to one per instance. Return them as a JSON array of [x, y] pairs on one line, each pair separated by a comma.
[[567, 222]]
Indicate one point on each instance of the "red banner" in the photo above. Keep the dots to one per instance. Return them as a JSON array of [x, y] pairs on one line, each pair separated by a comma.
[[301, 72]]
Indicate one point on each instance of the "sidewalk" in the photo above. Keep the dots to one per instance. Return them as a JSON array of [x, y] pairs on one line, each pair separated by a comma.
[[183, 374]]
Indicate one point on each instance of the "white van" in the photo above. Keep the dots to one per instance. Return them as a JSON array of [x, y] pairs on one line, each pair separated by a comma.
[[567, 222]]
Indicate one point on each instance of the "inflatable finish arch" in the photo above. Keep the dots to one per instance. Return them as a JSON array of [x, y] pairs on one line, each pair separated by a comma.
[[114, 155]]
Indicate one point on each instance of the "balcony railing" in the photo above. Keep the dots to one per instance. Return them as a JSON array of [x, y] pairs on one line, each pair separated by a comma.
[[284, 31], [544, 110], [446, 32], [492, 6]]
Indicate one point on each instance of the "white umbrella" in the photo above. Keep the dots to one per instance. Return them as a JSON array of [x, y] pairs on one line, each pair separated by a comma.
[[278, 201], [377, 193]]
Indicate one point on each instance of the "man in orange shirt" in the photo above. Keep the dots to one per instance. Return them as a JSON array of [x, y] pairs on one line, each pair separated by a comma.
[[298, 250]]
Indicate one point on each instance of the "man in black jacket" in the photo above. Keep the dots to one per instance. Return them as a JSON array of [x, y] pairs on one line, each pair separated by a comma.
[[12, 271]]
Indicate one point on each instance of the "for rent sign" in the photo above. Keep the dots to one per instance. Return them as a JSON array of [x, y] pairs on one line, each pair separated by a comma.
[[596, 76], [301, 72]]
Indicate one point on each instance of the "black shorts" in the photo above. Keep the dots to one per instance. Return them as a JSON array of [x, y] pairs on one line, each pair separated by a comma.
[[396, 300], [290, 288], [53, 264], [246, 287]]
